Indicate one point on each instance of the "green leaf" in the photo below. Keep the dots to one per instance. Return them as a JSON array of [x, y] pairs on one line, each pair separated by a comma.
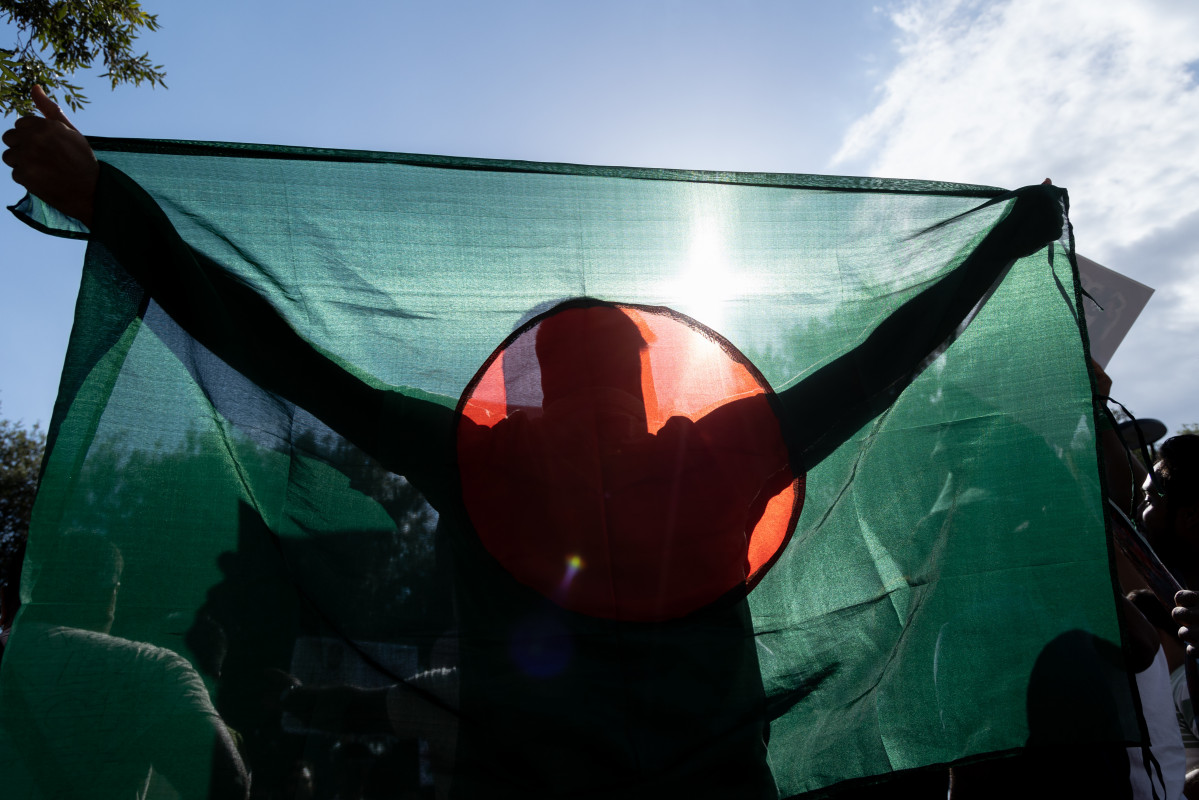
[[56, 38]]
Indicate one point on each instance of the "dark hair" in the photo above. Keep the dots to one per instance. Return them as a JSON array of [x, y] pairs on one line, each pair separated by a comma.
[[1148, 604], [1178, 467]]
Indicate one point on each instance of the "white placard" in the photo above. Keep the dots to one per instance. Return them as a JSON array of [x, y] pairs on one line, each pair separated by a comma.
[[1120, 301]]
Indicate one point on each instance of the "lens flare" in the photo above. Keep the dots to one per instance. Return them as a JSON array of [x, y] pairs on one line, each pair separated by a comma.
[[574, 564]]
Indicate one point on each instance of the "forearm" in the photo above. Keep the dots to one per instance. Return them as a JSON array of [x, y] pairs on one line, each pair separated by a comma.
[[825, 409], [242, 328], [215, 308]]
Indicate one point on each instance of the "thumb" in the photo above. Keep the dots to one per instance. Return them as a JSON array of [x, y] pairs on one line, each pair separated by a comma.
[[49, 108]]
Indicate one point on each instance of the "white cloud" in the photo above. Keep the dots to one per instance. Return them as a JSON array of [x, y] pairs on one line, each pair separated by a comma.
[[1103, 98], [1103, 93]]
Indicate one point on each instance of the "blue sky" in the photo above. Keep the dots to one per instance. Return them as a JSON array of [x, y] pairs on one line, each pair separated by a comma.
[[1101, 97]]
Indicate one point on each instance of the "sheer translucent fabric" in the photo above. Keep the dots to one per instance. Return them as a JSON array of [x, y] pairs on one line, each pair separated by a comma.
[[475, 478]]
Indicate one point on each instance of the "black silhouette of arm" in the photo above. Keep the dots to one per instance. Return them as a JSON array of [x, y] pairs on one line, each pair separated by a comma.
[[412, 437], [826, 408]]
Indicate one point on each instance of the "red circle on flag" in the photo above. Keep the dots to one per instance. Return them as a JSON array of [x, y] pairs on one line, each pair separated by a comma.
[[626, 462]]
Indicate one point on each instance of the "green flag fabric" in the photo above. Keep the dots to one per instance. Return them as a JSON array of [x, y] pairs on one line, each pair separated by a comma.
[[388, 475]]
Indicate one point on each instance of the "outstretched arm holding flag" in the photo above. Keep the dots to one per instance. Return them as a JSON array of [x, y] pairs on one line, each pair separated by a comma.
[[55, 163], [826, 408]]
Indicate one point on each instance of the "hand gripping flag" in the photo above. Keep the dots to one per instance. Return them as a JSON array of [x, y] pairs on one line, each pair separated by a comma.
[[481, 478]]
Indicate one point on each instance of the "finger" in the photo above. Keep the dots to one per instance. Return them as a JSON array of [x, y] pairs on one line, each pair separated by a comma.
[[49, 108], [1185, 597], [21, 130], [1185, 615], [1188, 635], [28, 122]]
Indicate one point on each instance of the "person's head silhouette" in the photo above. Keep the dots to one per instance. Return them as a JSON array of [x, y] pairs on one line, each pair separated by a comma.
[[586, 349], [590, 360]]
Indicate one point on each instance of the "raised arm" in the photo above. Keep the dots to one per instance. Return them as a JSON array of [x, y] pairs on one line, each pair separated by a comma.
[[412, 437], [826, 408]]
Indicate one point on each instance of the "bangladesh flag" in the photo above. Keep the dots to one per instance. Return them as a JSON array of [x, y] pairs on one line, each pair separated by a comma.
[[388, 475]]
